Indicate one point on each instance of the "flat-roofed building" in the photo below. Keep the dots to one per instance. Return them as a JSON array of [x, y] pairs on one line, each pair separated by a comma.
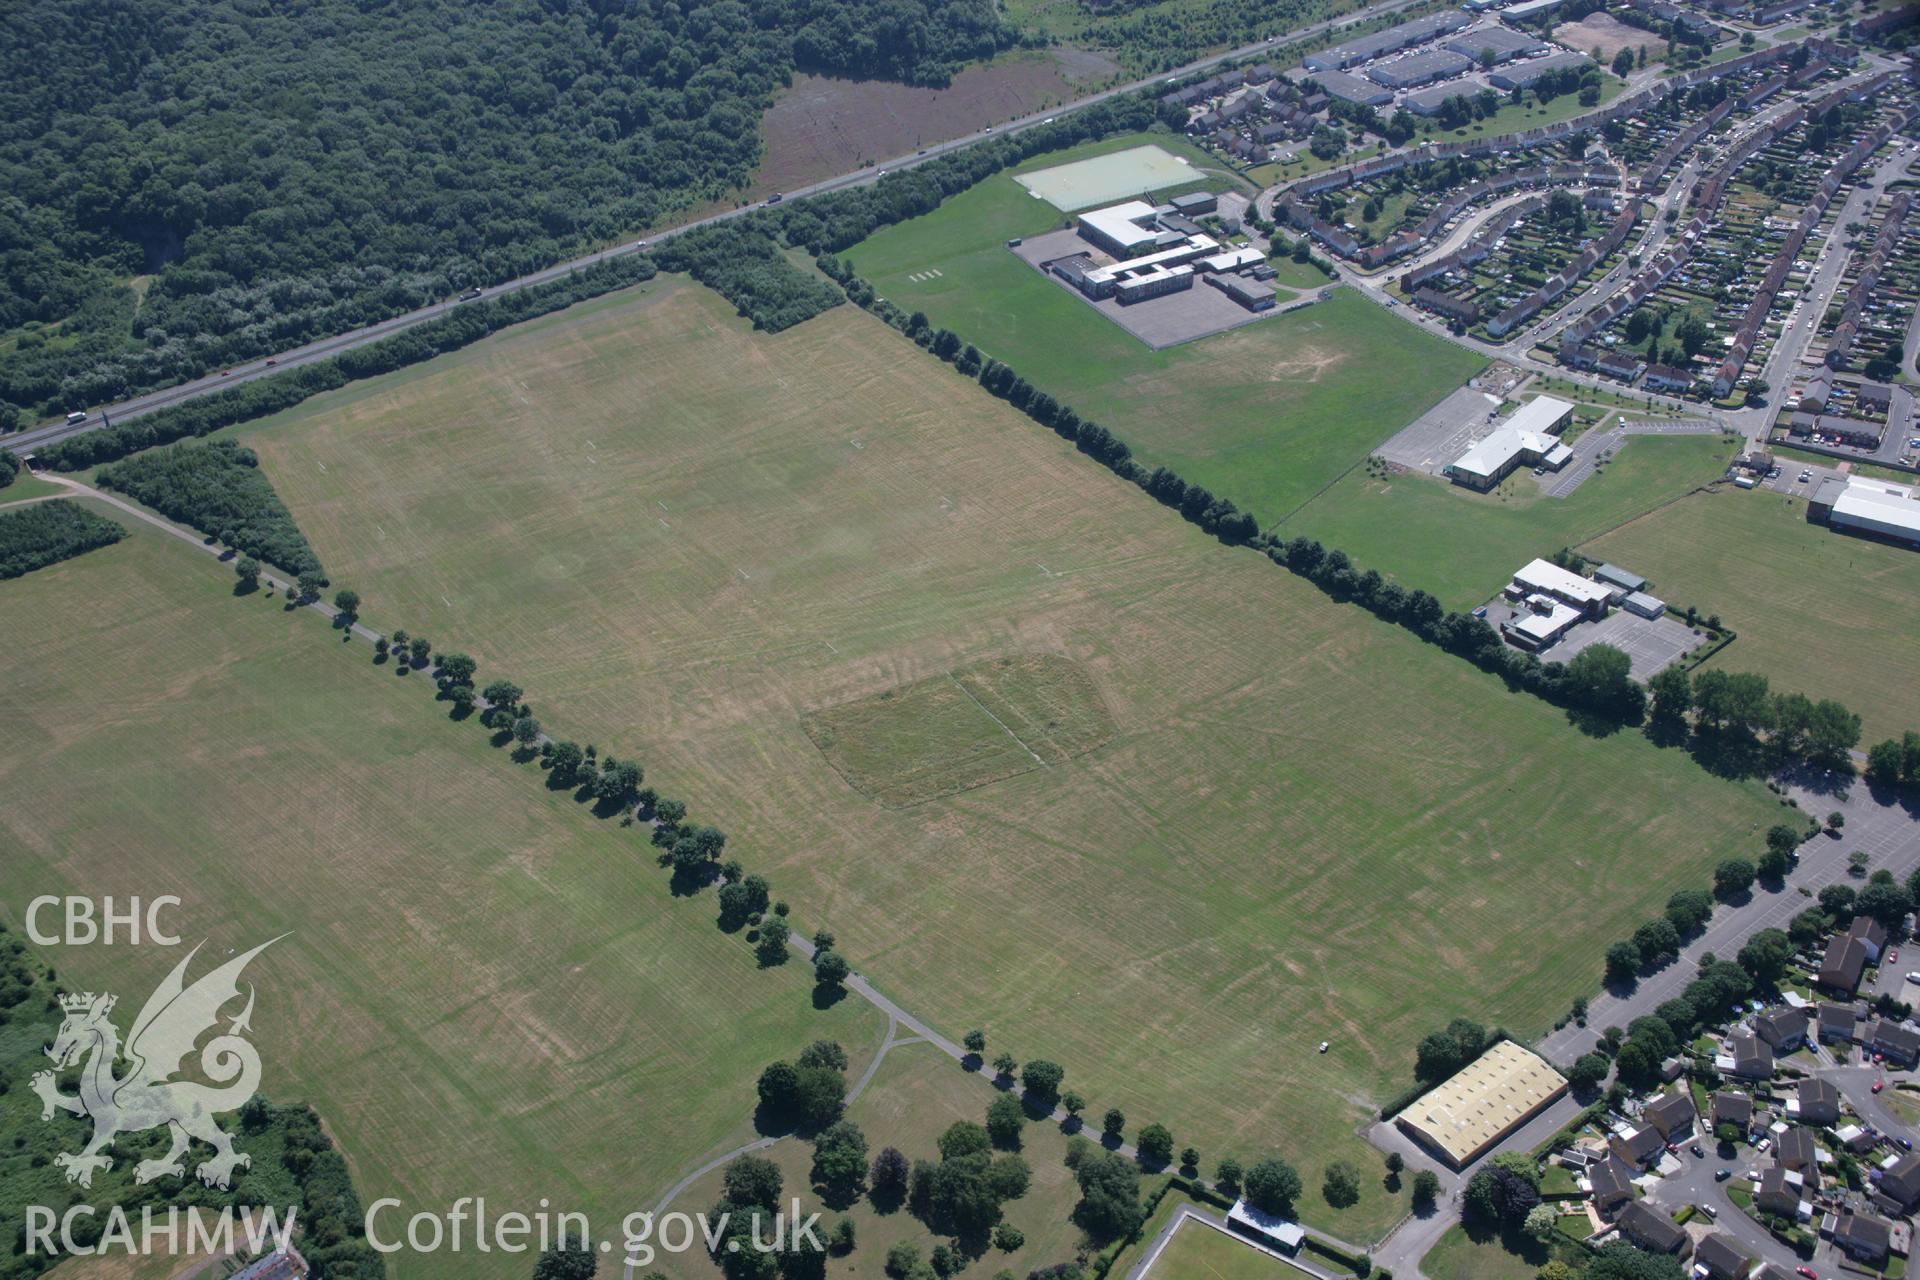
[[1642, 605], [1528, 437], [1366, 48], [1625, 579], [1428, 102], [1134, 278], [1541, 623], [1121, 229], [1256, 1223], [1254, 295], [1522, 75], [1872, 507], [1352, 88], [1546, 578], [1420, 68], [1505, 43], [1489, 1098]]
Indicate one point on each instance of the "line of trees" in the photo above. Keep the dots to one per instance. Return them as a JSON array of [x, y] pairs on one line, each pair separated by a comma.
[[465, 324], [219, 489], [43, 533]]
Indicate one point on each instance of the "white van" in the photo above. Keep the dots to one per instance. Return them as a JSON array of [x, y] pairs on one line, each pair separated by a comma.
[[78, 415]]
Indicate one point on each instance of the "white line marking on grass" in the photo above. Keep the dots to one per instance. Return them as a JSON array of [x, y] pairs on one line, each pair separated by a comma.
[[829, 645], [663, 523], [660, 504], [997, 720], [383, 532], [446, 602], [743, 574], [321, 465]]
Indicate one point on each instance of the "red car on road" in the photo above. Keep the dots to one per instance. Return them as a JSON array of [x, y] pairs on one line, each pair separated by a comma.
[[1878, 1085]]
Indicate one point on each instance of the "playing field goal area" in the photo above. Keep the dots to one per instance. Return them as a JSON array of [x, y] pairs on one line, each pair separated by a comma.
[[1108, 178]]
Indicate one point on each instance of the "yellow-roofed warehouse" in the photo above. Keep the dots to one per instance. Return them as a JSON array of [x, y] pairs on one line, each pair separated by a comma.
[[1491, 1097]]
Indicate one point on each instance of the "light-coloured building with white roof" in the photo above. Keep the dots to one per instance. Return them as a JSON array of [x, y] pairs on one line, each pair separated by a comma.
[[1543, 577], [1529, 436], [1489, 1098], [1875, 507]]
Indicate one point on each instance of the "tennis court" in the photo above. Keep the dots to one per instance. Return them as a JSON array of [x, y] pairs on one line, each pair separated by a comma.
[[1106, 179]]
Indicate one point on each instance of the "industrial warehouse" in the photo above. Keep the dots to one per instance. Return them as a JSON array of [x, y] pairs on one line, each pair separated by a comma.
[[1494, 1095], [1872, 508]]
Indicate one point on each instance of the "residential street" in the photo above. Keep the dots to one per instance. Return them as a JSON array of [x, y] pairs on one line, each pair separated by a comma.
[[1889, 834]]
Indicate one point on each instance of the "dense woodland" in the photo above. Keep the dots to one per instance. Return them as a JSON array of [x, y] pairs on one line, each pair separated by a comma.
[[218, 489], [43, 533], [264, 174]]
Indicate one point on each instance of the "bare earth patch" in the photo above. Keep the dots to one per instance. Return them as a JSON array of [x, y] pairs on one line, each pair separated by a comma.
[[823, 126], [962, 729], [1609, 35]]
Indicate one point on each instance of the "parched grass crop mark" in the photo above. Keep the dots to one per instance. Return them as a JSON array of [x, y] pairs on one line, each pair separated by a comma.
[[997, 720]]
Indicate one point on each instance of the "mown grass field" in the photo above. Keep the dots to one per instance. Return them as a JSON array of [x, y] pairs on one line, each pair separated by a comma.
[[1462, 546], [915, 1095], [484, 990], [682, 538], [1829, 615], [1266, 414], [962, 729]]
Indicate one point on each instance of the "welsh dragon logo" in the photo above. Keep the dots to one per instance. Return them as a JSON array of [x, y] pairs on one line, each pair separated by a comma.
[[164, 1035]]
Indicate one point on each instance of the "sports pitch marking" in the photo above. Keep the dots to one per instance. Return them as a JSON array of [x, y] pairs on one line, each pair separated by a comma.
[[1106, 179]]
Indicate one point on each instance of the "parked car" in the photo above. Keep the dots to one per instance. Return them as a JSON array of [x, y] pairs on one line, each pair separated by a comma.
[[1805, 1271], [1906, 1143], [1697, 1149], [1721, 1175], [1878, 1085], [1710, 1211]]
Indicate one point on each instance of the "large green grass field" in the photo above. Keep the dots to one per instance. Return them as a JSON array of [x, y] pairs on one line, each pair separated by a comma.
[[1826, 614], [1266, 414], [684, 538], [484, 991], [1462, 546]]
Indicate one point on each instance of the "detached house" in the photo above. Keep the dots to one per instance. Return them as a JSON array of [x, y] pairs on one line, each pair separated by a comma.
[[1671, 1114], [1837, 1023], [1721, 1258], [1733, 1108], [1782, 1193], [1842, 965], [1864, 1237], [1653, 1230], [1783, 1029], [1818, 1104], [1747, 1056], [1611, 1181], [1899, 1044]]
